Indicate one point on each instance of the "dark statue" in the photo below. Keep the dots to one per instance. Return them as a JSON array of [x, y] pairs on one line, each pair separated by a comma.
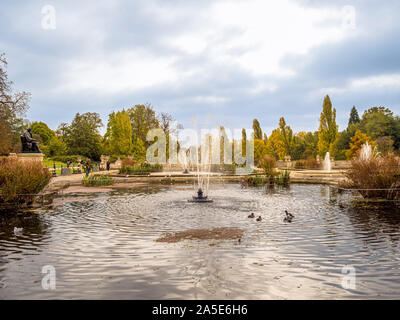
[[29, 145]]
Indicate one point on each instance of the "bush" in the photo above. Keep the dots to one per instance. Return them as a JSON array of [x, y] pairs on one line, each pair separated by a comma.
[[97, 180], [143, 168], [375, 173], [21, 178], [268, 165]]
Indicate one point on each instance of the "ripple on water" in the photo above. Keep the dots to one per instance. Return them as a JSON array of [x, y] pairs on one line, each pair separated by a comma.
[[103, 247]]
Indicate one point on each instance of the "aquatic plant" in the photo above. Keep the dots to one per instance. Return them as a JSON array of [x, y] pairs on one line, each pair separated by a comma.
[[143, 168], [374, 177], [283, 179], [20, 181], [97, 180]]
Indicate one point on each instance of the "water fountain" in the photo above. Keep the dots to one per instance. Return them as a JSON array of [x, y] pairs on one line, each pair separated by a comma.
[[366, 152], [203, 173], [327, 162]]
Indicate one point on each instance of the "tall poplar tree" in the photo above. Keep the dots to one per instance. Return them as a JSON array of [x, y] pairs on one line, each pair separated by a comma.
[[328, 128]]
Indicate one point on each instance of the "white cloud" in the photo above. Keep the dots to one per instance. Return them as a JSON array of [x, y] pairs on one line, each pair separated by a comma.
[[385, 81]]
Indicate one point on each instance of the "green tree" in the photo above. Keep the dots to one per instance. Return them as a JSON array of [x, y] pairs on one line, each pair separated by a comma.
[[143, 118], [257, 130], [118, 138], [286, 135], [83, 137], [45, 133], [56, 147], [354, 117], [380, 122], [139, 150], [328, 128]]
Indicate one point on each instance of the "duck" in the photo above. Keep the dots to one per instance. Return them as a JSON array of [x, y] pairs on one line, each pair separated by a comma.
[[17, 230], [251, 215], [259, 218], [289, 217]]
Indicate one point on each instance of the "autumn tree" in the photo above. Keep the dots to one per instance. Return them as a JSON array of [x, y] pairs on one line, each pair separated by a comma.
[[257, 130], [356, 143], [328, 128]]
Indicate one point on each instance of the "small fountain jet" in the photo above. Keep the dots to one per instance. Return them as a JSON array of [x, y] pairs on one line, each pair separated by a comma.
[[200, 197]]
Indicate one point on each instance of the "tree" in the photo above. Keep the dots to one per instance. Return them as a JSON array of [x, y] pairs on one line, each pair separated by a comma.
[[82, 136], [354, 117], [328, 128], [259, 150], [286, 135], [55, 147], [139, 150], [275, 145], [244, 142], [380, 122], [13, 105], [385, 145], [118, 138], [257, 130], [357, 141], [143, 118], [45, 133]]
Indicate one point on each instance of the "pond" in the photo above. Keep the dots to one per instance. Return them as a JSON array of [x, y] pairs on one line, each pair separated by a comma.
[[103, 246]]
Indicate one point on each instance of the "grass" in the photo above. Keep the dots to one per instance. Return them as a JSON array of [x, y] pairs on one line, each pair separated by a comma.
[[21, 178]]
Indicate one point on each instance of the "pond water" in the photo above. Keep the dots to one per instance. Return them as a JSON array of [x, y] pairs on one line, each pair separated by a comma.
[[103, 246]]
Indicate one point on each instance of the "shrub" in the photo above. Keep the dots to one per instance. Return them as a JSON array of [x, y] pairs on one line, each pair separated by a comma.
[[127, 162], [268, 165], [375, 173], [97, 180], [21, 178]]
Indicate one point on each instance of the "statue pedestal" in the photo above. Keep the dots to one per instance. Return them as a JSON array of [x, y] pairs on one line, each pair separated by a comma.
[[30, 157]]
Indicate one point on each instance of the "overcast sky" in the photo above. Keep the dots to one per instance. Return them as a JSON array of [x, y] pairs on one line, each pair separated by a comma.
[[222, 62]]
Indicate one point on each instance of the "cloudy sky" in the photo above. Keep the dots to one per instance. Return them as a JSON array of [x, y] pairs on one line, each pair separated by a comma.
[[221, 62]]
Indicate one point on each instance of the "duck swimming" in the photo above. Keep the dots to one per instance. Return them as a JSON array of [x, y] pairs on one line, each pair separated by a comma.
[[259, 218], [289, 217], [251, 215]]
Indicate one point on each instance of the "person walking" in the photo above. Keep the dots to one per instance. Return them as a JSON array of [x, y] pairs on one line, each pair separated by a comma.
[[87, 167], [108, 165]]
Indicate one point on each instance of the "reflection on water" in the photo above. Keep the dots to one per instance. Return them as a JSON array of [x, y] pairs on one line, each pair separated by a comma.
[[102, 246]]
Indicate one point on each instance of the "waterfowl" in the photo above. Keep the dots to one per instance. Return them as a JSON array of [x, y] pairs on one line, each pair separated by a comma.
[[251, 215], [259, 218], [17, 230], [289, 215], [286, 219]]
